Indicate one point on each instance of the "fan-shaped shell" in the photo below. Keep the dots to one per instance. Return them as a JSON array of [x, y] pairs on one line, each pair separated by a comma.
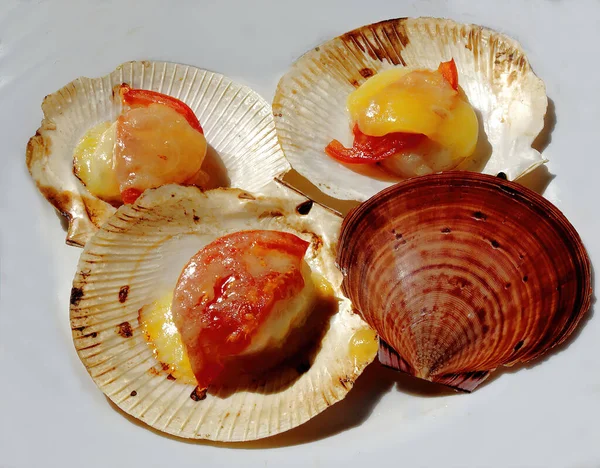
[[237, 122], [310, 102], [463, 273], [139, 254]]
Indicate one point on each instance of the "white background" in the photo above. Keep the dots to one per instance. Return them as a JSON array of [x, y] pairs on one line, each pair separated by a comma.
[[51, 414]]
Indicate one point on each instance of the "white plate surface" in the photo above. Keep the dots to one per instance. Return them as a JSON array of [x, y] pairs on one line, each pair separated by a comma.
[[51, 414]]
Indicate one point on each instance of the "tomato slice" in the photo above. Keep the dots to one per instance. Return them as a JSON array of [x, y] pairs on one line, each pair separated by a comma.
[[369, 149], [130, 195], [143, 98], [227, 292], [450, 73]]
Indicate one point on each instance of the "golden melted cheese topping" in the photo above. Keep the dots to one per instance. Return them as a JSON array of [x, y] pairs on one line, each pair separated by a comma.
[[416, 101], [163, 337], [94, 162]]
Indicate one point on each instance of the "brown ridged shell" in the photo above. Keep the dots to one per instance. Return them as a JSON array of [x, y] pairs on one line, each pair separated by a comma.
[[461, 273]]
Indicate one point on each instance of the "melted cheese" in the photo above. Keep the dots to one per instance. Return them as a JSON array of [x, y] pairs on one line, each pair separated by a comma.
[[156, 320], [146, 147], [363, 344], [416, 101], [93, 162]]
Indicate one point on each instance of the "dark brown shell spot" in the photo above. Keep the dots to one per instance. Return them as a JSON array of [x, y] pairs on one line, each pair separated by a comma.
[[507, 286], [446, 230], [133, 393], [525, 279], [91, 335], [519, 345], [502, 175], [124, 329], [170, 377], [495, 243], [76, 295], [305, 207], [485, 328], [246, 196], [196, 218], [354, 83], [478, 215], [366, 72], [123, 293], [198, 394]]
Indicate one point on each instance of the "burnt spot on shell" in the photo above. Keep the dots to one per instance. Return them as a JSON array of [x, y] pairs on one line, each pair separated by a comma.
[[479, 216], [84, 274], [62, 201], [123, 293], [246, 196], [76, 295], [305, 207], [383, 41], [366, 72], [198, 394], [91, 335], [133, 393], [124, 329]]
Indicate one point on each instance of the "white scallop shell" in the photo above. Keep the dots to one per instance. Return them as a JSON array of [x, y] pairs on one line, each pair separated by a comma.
[[310, 102], [144, 248], [237, 122]]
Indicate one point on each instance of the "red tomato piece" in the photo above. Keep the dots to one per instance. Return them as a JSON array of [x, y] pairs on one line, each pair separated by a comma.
[[369, 149], [228, 290], [450, 73], [143, 98]]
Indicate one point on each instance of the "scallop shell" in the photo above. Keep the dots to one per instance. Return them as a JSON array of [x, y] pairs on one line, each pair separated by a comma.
[[464, 273], [309, 105], [237, 122], [138, 255]]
